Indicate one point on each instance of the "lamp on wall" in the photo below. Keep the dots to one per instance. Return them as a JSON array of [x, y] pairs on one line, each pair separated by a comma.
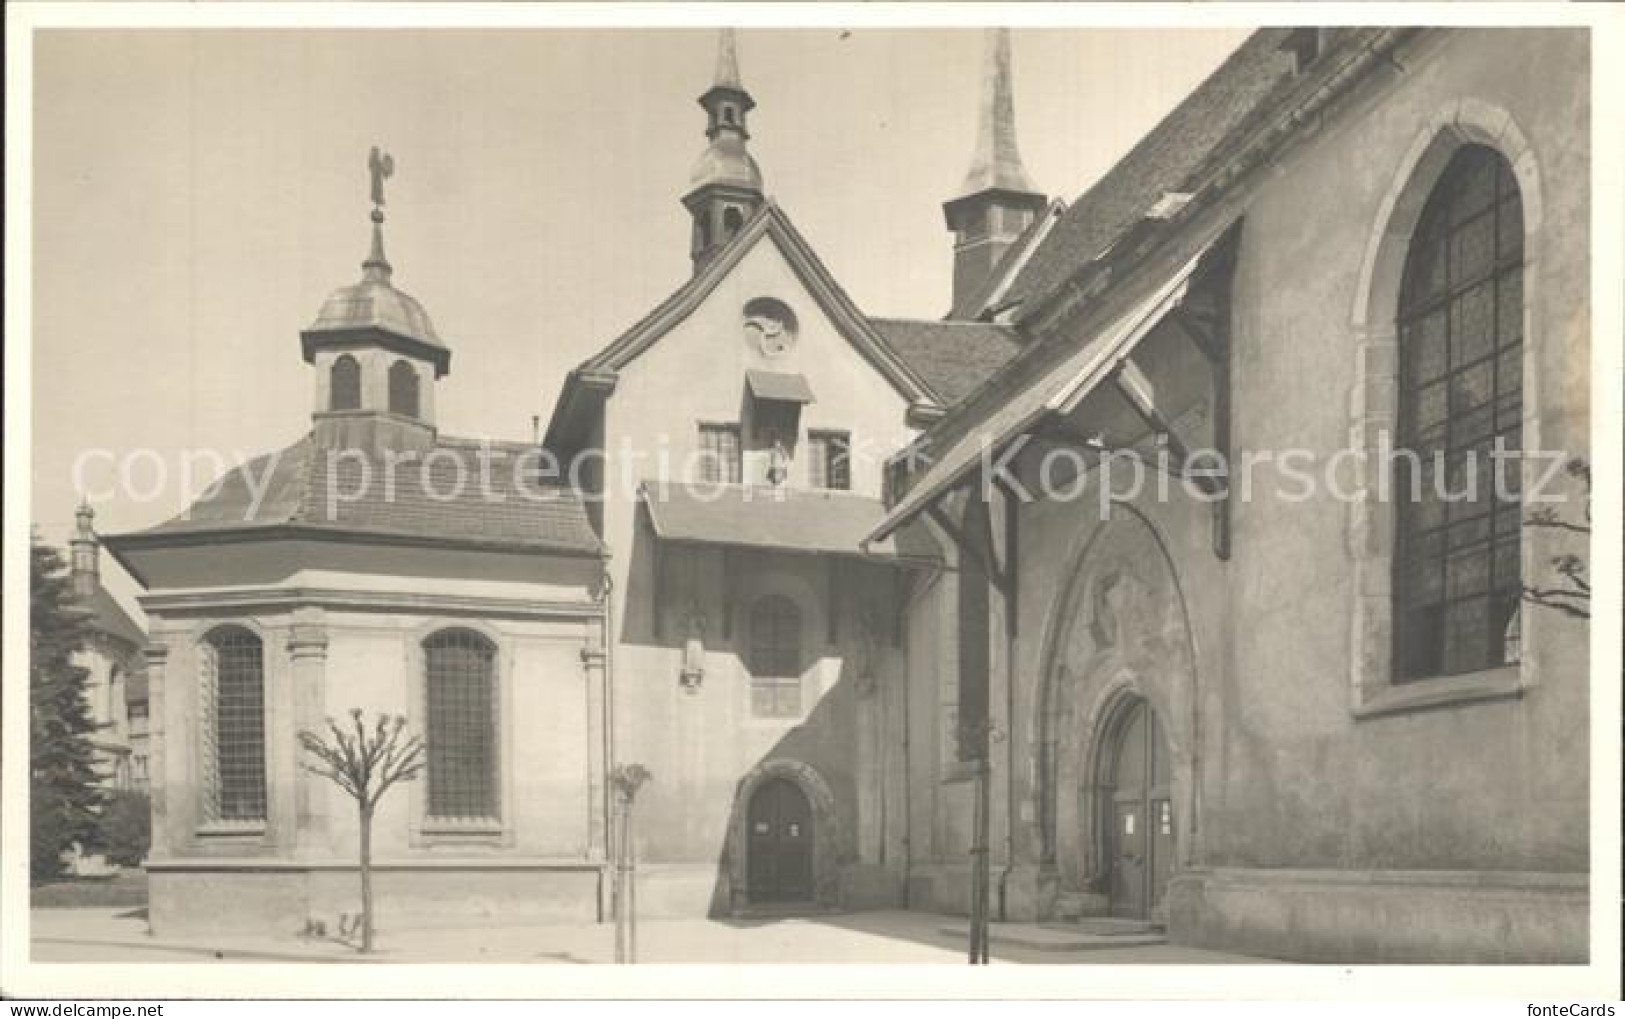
[[693, 668]]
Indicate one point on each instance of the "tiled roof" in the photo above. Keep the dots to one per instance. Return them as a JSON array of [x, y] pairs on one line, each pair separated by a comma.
[[1168, 159], [954, 358], [783, 519], [442, 496], [108, 616]]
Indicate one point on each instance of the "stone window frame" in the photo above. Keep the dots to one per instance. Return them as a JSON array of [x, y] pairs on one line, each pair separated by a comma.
[[209, 824], [427, 831], [1372, 406]]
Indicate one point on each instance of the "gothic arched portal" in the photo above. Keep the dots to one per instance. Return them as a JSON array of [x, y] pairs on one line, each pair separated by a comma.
[[1119, 675]]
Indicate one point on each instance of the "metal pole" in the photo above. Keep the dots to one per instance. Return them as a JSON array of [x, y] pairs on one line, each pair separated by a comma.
[[979, 866], [984, 877], [620, 880], [631, 889]]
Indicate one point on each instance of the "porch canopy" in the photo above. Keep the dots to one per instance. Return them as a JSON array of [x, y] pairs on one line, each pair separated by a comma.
[[1155, 370], [816, 522]]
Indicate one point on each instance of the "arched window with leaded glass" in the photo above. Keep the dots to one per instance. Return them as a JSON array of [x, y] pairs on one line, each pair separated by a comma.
[[233, 661], [460, 667], [1457, 578]]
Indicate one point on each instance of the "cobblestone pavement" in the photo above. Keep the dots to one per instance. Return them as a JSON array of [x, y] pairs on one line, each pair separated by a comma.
[[98, 935]]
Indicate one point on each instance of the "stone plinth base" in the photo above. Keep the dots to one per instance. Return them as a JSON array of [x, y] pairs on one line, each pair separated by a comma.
[[1345, 916], [275, 898]]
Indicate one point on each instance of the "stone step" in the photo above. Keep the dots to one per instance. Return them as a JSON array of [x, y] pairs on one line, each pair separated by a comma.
[[1068, 937]]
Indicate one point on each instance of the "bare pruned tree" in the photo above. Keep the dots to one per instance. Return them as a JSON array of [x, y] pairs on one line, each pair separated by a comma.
[[365, 763], [1570, 594]]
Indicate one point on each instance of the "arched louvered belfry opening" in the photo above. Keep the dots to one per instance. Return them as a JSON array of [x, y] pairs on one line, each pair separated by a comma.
[[403, 389], [345, 384]]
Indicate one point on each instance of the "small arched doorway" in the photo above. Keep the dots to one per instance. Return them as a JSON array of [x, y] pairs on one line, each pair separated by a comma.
[[1138, 812], [779, 846]]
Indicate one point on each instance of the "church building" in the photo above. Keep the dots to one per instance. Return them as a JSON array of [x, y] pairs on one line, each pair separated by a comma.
[[833, 579], [1300, 690]]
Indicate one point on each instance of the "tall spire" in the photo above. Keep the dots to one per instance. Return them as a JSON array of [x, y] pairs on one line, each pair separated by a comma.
[[997, 200], [84, 551], [996, 161], [725, 186], [727, 74]]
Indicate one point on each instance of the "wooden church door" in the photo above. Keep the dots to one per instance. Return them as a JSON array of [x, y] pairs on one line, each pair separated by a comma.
[[1142, 833], [779, 853]]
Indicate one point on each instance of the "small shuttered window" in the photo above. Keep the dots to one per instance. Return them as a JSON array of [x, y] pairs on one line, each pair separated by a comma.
[[719, 453], [830, 463], [462, 738]]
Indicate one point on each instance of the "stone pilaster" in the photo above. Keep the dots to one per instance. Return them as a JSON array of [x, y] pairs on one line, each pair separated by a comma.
[[594, 661], [307, 655], [157, 662]]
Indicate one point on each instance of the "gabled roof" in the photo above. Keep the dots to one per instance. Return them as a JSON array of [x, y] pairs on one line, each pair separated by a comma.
[[1167, 160], [954, 358], [594, 376], [446, 497]]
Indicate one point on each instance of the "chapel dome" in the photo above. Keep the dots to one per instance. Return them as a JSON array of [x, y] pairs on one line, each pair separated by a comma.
[[726, 161], [374, 303]]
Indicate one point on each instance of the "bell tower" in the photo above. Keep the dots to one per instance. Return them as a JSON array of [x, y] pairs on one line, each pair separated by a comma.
[[997, 201], [725, 187], [376, 354]]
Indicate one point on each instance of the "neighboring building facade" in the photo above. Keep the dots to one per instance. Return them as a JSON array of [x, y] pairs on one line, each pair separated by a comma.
[[758, 656], [116, 687], [1312, 727]]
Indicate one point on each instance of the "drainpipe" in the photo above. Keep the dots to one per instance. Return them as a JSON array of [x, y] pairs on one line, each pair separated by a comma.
[[1011, 606], [608, 617]]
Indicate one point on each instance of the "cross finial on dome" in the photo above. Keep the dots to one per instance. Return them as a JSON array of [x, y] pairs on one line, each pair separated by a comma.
[[380, 165]]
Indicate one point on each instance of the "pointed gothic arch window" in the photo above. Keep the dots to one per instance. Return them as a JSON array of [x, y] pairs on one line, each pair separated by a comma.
[[460, 668], [345, 380], [1457, 579], [403, 389], [233, 665]]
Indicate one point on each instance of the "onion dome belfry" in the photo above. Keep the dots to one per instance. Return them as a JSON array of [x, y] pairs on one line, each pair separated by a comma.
[[373, 311], [725, 186]]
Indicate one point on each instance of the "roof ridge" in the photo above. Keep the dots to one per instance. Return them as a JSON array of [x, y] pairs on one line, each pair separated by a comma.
[[945, 322]]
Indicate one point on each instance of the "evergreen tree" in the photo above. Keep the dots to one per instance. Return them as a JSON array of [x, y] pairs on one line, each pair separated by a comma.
[[65, 798]]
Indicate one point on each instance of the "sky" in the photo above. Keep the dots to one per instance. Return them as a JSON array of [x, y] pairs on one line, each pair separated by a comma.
[[198, 193]]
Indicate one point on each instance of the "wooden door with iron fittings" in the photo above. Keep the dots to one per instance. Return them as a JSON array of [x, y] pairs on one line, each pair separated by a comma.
[[1142, 817], [778, 859]]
